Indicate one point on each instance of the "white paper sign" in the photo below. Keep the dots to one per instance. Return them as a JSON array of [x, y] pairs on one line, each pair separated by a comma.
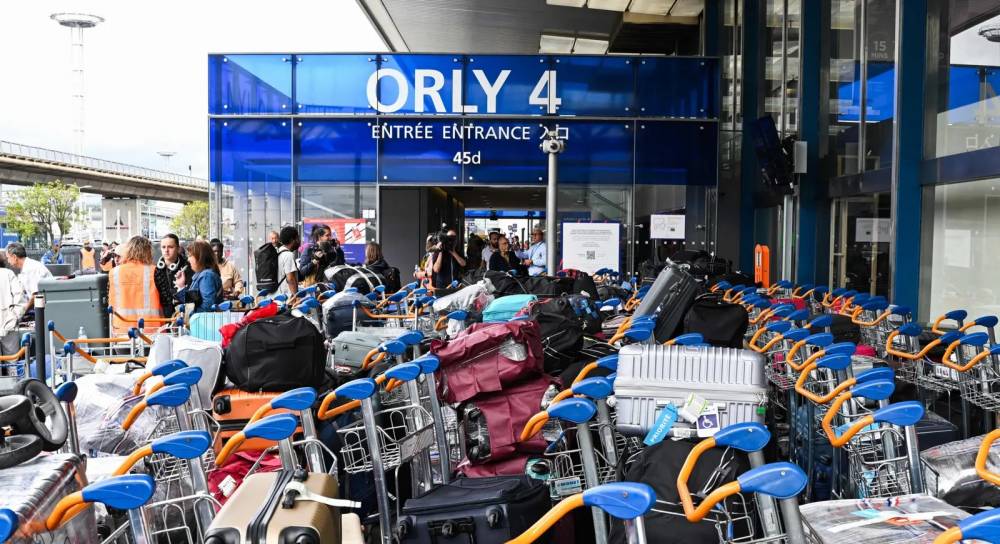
[[668, 227], [590, 246], [958, 247], [871, 229]]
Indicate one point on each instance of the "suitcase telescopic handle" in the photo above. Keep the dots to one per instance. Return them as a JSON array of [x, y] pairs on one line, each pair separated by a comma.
[[623, 500], [120, 492], [274, 427], [170, 396]]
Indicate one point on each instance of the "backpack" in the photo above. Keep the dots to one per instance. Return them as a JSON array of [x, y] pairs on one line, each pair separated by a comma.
[[265, 268], [561, 332]]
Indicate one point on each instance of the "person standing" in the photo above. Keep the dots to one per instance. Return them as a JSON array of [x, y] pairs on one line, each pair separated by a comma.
[[13, 304], [88, 258], [504, 259], [232, 281], [491, 247], [132, 290], [29, 271], [172, 261], [109, 257], [273, 239], [448, 262], [536, 253], [318, 255], [288, 270], [206, 285], [52, 256]]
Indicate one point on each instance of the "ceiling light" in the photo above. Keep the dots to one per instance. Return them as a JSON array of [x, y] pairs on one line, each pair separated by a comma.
[[567, 3], [651, 7], [610, 5], [585, 46], [687, 8], [555, 44]]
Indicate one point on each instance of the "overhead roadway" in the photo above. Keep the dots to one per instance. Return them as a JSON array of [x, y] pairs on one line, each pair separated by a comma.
[[27, 165], [518, 26]]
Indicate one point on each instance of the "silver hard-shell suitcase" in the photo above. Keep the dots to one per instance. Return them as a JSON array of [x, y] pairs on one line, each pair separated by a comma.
[[651, 376], [32, 489], [669, 299], [350, 347]]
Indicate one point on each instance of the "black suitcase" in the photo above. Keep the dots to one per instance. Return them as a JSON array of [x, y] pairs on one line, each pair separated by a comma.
[[669, 298], [720, 323], [481, 510]]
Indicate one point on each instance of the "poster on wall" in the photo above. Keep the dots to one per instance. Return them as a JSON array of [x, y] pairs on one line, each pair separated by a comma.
[[349, 232], [873, 230], [590, 246], [666, 227]]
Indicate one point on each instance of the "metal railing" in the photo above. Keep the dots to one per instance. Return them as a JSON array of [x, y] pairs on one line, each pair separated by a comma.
[[60, 158]]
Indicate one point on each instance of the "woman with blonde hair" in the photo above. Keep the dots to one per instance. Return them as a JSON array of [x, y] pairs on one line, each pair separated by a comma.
[[131, 286]]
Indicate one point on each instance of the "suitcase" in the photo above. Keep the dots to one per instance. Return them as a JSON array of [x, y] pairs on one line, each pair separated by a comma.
[[32, 489], [205, 325], [651, 376], [950, 473], [232, 409], [669, 298], [505, 308], [255, 513], [350, 348], [480, 510], [77, 302], [491, 423], [339, 312], [204, 354]]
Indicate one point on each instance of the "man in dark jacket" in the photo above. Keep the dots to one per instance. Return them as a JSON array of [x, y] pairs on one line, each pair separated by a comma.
[[172, 261]]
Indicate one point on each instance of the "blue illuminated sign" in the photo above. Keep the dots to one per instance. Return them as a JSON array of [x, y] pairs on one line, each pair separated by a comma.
[[461, 119]]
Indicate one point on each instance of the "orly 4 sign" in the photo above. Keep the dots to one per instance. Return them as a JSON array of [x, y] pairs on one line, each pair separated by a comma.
[[428, 88]]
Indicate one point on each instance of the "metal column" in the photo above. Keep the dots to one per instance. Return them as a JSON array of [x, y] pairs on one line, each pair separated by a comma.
[[553, 146]]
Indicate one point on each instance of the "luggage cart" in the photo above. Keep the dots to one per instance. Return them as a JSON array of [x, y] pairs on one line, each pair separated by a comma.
[[752, 494]]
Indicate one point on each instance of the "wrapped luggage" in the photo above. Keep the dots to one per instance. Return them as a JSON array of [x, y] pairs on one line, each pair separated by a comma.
[[31, 491]]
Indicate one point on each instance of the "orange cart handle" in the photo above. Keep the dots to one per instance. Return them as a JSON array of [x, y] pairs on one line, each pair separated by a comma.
[[983, 456]]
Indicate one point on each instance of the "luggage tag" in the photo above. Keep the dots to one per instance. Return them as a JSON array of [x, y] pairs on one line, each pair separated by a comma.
[[708, 422], [692, 408], [664, 422]]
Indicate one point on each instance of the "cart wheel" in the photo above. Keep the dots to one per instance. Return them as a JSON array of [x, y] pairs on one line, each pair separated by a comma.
[[47, 419], [18, 449], [14, 410]]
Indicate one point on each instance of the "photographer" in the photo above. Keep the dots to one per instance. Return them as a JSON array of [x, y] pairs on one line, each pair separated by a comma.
[[321, 254], [448, 262]]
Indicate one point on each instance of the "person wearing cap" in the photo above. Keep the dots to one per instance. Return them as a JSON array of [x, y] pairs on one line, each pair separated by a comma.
[[52, 256], [536, 253], [491, 247]]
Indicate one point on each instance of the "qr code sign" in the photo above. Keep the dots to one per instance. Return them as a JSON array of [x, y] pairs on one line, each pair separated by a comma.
[[591, 255]]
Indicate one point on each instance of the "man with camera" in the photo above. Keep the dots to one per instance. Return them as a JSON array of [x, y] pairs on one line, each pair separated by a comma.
[[448, 261]]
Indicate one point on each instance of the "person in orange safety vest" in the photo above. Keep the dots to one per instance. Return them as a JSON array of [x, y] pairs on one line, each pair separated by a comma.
[[131, 288]]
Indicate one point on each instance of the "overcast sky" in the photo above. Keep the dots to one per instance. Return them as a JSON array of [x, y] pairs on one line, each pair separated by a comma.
[[146, 68]]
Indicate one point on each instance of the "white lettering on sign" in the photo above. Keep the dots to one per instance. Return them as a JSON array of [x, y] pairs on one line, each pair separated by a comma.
[[428, 84]]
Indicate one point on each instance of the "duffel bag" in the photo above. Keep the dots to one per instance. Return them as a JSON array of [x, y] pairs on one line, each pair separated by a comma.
[[721, 323], [486, 357], [277, 353], [561, 332], [492, 423]]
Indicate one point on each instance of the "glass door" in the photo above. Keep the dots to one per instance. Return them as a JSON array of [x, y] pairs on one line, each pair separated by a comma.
[[859, 252]]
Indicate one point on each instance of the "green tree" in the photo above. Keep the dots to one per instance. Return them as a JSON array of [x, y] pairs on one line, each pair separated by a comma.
[[44, 208], [192, 222]]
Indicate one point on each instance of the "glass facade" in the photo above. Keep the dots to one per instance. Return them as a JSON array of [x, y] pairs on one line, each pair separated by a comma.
[[307, 138]]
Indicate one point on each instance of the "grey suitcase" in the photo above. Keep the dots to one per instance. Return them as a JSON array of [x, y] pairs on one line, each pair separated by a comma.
[[651, 376], [77, 302], [350, 348], [32, 489], [669, 298]]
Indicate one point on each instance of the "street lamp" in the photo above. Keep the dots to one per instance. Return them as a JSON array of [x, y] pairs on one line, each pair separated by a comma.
[[166, 157]]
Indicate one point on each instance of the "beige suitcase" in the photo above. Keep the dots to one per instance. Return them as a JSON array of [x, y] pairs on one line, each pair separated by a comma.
[[258, 512]]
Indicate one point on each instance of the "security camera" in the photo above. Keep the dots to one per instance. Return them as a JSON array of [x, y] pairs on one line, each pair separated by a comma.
[[552, 146]]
